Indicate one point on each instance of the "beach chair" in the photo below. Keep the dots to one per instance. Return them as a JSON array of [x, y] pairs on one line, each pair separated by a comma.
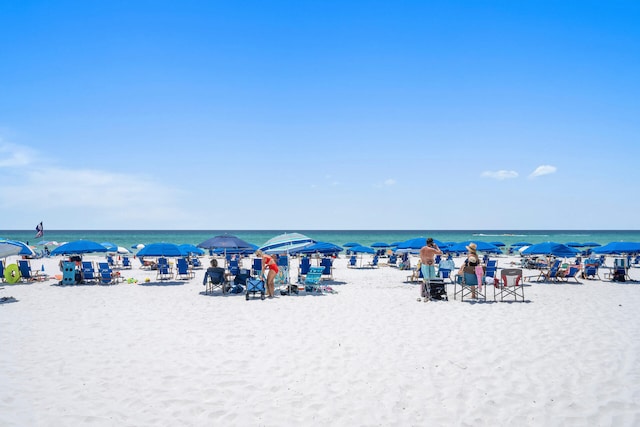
[[374, 262], [551, 274], [256, 267], [282, 278], [468, 284], [107, 275], [327, 264], [233, 266], [303, 267], [509, 283], [393, 259], [1, 271], [353, 262], [89, 273], [215, 280], [445, 274], [183, 270], [619, 272], [571, 273], [590, 271], [165, 272], [126, 262], [312, 280], [25, 271], [434, 290], [112, 263], [195, 263], [416, 276]]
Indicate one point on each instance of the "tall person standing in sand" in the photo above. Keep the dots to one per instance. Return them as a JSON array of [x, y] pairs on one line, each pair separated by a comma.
[[268, 263], [427, 258]]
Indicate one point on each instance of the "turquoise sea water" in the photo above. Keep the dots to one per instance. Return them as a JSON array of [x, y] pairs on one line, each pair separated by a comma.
[[127, 238]]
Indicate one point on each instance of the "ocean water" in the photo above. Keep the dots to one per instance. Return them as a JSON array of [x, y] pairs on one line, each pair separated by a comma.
[[127, 238]]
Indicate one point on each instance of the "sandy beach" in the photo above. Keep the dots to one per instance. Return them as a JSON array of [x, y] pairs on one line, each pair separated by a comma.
[[164, 353]]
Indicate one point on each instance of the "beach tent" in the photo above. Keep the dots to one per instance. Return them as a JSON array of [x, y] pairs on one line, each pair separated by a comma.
[[78, 247]]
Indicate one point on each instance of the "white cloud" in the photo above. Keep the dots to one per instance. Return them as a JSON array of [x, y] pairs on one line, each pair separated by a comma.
[[389, 182], [500, 175], [12, 155], [543, 170]]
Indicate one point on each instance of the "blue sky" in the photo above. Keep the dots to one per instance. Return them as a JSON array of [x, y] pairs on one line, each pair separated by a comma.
[[319, 114]]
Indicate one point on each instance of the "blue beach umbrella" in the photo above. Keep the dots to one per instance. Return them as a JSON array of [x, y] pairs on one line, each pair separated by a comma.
[[499, 244], [191, 249], [362, 250], [380, 245], [521, 244], [225, 241], [480, 246], [351, 244], [551, 248], [592, 244], [78, 247], [417, 243], [318, 247], [161, 249], [617, 248], [111, 247], [575, 244]]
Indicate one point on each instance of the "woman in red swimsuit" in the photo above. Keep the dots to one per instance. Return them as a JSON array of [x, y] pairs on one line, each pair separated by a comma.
[[269, 263]]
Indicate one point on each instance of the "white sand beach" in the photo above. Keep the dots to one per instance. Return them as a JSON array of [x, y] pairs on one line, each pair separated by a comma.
[[164, 354]]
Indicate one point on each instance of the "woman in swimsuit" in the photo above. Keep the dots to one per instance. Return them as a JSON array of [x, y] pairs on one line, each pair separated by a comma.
[[269, 263]]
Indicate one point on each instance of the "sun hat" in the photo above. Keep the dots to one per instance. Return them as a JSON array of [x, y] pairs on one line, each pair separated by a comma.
[[472, 247]]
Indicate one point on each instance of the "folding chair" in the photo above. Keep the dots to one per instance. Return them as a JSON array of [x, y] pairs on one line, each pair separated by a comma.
[[470, 284], [509, 284], [327, 264], [183, 270], [216, 279], [312, 281]]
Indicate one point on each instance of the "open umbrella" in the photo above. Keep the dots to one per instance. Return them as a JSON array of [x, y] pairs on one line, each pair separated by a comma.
[[592, 244], [521, 244], [362, 250], [351, 244], [161, 249], [225, 241], [380, 245], [111, 247], [480, 246], [78, 247], [286, 242], [551, 248], [191, 249], [417, 243], [318, 247], [499, 244], [617, 248], [575, 244], [14, 247]]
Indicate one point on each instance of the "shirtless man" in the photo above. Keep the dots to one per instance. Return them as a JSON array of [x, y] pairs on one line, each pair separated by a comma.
[[427, 257]]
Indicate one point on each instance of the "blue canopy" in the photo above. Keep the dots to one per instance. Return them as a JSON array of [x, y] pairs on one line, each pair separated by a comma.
[[191, 249], [351, 244], [521, 244], [575, 244], [111, 247], [480, 246], [551, 248], [592, 244], [613, 248], [161, 249], [318, 247], [14, 247], [79, 247], [380, 245], [497, 243], [225, 241], [362, 249], [237, 251], [417, 243]]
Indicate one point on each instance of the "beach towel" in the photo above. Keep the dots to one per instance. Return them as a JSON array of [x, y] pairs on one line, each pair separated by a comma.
[[479, 275]]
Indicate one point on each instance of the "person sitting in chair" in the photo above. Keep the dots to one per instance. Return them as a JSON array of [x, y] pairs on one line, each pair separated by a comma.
[[214, 272]]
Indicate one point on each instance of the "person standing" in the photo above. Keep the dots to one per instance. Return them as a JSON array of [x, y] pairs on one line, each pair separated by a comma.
[[270, 264], [427, 258]]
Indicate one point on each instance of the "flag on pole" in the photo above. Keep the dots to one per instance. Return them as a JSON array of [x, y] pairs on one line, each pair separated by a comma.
[[39, 230]]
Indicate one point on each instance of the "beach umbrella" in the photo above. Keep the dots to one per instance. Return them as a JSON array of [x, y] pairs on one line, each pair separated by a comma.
[[318, 247], [237, 251], [161, 249], [191, 249], [480, 246], [14, 247], [111, 247], [78, 247], [592, 244], [362, 250], [551, 248], [417, 243], [351, 244], [225, 241], [380, 245], [137, 246], [575, 244], [499, 244], [286, 242], [521, 244], [617, 248], [123, 250]]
